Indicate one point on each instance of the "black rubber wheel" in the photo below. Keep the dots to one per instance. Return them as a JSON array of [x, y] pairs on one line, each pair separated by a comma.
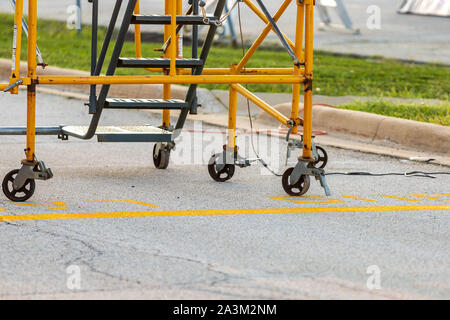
[[322, 162], [297, 189], [161, 159], [21, 195], [223, 175]]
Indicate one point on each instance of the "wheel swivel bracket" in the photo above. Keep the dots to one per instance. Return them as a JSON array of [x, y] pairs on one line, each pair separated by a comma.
[[305, 168], [232, 157], [35, 170]]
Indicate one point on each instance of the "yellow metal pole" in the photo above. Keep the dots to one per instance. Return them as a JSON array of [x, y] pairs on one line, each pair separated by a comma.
[[180, 34], [261, 103], [167, 11], [297, 71], [173, 33], [137, 33], [307, 126], [17, 45], [31, 91], [232, 114], [166, 113], [159, 79], [167, 87], [263, 34], [250, 71]]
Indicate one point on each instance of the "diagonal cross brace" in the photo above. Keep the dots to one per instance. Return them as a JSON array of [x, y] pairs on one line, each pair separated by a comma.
[[25, 29], [278, 32]]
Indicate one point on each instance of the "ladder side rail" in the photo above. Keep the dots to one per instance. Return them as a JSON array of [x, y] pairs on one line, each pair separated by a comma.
[[102, 56], [108, 36], [196, 11], [94, 38], [195, 43], [111, 69]]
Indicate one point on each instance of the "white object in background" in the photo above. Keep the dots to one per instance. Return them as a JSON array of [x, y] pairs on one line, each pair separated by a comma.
[[426, 7], [326, 21], [328, 3]]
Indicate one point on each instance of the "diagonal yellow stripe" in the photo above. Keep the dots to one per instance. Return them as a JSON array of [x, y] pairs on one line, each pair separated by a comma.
[[100, 215], [129, 201]]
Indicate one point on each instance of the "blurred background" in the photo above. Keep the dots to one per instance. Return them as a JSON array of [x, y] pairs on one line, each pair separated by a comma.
[[416, 30]]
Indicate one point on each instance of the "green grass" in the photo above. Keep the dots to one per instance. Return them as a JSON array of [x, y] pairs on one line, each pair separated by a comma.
[[335, 75], [438, 114]]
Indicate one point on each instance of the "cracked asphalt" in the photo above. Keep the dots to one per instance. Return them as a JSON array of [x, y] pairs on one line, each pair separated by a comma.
[[144, 233]]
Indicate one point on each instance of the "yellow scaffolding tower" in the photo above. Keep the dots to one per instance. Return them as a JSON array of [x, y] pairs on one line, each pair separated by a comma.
[[295, 180]]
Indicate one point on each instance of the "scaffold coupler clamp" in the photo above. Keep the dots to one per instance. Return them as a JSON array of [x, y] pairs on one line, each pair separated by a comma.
[[12, 86]]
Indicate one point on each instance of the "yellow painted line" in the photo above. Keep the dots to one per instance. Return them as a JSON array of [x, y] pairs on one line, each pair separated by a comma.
[[129, 201], [100, 215], [359, 198], [57, 205], [394, 197], [309, 200], [437, 197]]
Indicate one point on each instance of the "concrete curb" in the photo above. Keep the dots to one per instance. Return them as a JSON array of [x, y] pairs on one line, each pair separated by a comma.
[[408, 133], [337, 141]]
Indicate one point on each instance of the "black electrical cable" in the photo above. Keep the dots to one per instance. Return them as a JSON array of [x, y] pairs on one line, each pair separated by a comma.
[[265, 165], [421, 174]]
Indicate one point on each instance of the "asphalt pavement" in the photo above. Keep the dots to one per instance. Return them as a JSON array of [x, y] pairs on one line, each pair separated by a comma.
[[132, 231]]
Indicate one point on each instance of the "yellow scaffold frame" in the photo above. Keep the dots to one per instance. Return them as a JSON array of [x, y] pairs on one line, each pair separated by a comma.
[[301, 73]]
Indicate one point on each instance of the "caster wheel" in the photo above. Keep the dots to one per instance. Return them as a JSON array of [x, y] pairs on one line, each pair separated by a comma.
[[323, 158], [297, 189], [162, 157], [21, 195], [223, 175]]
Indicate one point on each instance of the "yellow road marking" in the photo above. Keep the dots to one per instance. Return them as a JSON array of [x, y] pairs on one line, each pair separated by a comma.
[[394, 197], [99, 215], [359, 198], [308, 200], [57, 205], [129, 201], [436, 197], [444, 194]]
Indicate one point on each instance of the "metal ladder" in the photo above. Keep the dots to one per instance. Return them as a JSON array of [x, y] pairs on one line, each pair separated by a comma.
[[166, 132]]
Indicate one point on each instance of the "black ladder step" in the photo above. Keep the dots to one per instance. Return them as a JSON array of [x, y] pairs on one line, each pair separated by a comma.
[[149, 104], [157, 63], [164, 19]]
